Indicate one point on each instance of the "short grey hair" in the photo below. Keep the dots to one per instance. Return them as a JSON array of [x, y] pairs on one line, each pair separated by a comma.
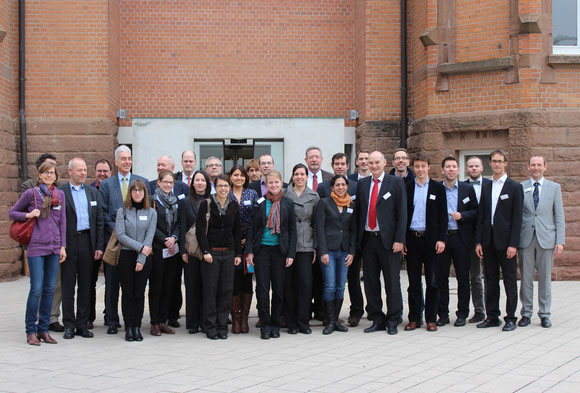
[[169, 157], [310, 148], [213, 158], [121, 149], [71, 163]]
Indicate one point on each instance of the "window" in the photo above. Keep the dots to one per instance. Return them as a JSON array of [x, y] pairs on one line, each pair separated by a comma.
[[566, 26], [465, 155]]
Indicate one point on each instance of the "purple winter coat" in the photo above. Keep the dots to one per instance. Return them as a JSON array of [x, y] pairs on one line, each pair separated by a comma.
[[49, 233]]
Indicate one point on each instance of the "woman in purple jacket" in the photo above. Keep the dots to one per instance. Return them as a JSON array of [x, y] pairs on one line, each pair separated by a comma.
[[45, 250]]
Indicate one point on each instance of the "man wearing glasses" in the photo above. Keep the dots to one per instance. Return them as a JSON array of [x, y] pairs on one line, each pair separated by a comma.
[[266, 163], [497, 239], [180, 188], [401, 166], [213, 168]]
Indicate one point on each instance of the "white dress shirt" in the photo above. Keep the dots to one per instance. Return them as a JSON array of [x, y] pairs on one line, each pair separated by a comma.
[[311, 176], [477, 187], [496, 187]]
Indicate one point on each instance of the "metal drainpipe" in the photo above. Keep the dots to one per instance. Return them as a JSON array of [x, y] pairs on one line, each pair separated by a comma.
[[404, 73], [22, 90]]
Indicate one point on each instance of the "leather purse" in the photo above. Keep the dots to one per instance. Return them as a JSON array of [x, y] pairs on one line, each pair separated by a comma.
[[191, 243], [21, 231]]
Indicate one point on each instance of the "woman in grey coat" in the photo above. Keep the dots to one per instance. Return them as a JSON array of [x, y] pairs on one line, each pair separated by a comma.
[[298, 284], [135, 226]]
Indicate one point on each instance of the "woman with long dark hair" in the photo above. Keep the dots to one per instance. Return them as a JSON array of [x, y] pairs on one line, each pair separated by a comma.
[[135, 226], [271, 248], [199, 190], [46, 249], [242, 296]]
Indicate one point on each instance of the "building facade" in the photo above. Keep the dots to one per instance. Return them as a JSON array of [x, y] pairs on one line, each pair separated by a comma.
[[240, 78]]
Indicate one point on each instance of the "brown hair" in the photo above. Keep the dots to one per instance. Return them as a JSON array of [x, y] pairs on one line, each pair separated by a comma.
[[501, 153], [165, 172], [421, 157], [253, 163], [138, 183], [44, 167]]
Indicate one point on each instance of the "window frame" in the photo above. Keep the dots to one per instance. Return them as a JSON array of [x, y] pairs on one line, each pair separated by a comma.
[[568, 49]]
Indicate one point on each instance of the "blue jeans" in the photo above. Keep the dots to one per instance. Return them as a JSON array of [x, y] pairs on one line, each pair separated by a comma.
[[43, 271], [334, 276]]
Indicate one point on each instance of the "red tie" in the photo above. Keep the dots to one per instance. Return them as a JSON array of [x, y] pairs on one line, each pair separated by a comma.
[[315, 183], [373, 205], [188, 181]]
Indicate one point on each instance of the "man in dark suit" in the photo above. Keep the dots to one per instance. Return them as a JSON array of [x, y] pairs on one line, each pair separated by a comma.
[[340, 166], [362, 163], [426, 238], [102, 171], [188, 162], [462, 213], [381, 215], [316, 175], [267, 164], [180, 189], [499, 223], [84, 245], [401, 163], [111, 196], [474, 171]]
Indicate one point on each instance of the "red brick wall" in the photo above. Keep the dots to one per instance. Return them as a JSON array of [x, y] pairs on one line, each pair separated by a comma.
[[255, 58]]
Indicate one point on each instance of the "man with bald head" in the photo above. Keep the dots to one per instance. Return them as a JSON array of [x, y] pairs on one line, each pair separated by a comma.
[[84, 246], [179, 188], [381, 216], [188, 162]]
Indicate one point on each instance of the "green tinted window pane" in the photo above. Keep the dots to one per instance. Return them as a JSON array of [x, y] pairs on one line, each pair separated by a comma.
[[565, 20]]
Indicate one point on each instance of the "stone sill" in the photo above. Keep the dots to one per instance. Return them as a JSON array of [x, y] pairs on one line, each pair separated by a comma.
[[503, 63], [564, 60]]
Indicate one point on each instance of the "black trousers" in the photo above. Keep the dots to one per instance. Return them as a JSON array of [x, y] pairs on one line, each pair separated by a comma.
[[176, 298], [376, 260], [161, 282], [242, 281], [419, 254], [193, 293], [270, 266], [317, 306], [133, 284], [455, 250], [111, 295], [93, 289], [218, 286], [493, 259], [298, 291], [354, 288], [77, 266]]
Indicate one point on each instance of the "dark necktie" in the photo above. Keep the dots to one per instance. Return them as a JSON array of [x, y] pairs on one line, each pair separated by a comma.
[[536, 194], [475, 181], [373, 205]]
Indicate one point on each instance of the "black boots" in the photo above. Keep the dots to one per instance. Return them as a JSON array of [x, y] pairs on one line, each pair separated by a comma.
[[332, 312]]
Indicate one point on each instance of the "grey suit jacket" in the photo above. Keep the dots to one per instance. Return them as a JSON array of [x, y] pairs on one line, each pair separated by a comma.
[[547, 220], [135, 229]]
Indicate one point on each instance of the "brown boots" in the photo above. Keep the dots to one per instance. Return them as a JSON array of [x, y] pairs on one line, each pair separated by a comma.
[[240, 312]]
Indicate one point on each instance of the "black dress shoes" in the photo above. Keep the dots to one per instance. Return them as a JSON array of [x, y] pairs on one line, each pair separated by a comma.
[[90, 326], [222, 335], [275, 333], [113, 330], [509, 326], [546, 322], [489, 323], [392, 329], [524, 321], [56, 327], [173, 323], [292, 331], [375, 327], [478, 317], [459, 322], [442, 321], [353, 321], [193, 330], [265, 333], [86, 333], [68, 334], [305, 330], [137, 334], [129, 334]]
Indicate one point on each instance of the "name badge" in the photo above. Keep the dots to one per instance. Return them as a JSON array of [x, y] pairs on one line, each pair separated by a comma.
[[57, 208], [93, 203], [142, 218], [504, 197], [387, 196], [432, 197], [180, 196], [528, 189], [353, 197], [466, 200], [349, 210], [261, 200], [247, 203]]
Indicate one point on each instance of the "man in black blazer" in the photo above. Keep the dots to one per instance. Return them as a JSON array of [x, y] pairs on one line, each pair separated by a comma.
[[362, 163], [474, 171], [84, 245], [340, 166], [426, 238], [316, 175], [401, 163], [111, 196], [180, 189], [381, 215], [462, 214], [497, 239], [267, 164]]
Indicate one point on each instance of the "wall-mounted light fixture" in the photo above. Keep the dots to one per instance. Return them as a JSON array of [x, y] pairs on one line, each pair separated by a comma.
[[353, 115]]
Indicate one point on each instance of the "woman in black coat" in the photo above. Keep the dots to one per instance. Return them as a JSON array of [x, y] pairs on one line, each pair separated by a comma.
[[199, 191], [271, 248]]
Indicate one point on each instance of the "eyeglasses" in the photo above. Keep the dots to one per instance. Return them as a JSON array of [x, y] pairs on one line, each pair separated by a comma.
[[167, 183], [495, 162], [222, 186], [48, 173], [137, 190]]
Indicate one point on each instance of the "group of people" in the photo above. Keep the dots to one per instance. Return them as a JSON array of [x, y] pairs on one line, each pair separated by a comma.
[[302, 241]]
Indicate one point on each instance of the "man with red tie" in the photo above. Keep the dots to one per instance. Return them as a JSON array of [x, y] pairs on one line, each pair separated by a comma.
[[381, 214], [316, 175]]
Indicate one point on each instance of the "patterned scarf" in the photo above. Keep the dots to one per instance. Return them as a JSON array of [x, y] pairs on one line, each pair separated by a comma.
[[50, 199], [169, 202], [273, 221]]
